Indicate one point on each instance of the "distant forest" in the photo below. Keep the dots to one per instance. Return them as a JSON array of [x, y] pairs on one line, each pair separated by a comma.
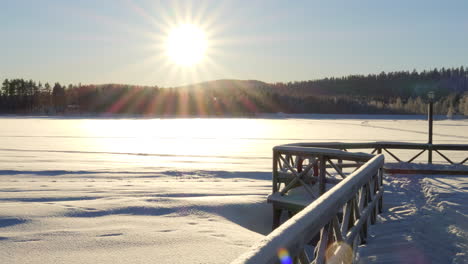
[[401, 92]]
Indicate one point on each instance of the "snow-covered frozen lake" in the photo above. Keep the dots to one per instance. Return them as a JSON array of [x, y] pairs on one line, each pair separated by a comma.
[[116, 190], [149, 145]]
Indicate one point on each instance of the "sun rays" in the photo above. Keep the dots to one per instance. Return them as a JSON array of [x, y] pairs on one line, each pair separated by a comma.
[[183, 41], [179, 43]]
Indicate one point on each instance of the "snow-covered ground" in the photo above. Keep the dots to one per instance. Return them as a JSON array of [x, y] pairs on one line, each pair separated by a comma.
[[102, 190], [71, 218]]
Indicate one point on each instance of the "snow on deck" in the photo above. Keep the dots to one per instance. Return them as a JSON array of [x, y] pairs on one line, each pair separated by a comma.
[[425, 220]]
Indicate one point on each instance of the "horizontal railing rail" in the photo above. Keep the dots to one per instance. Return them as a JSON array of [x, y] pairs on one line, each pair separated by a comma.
[[385, 147], [338, 216]]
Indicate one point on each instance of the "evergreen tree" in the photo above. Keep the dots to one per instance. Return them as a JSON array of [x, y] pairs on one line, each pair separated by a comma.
[[58, 98]]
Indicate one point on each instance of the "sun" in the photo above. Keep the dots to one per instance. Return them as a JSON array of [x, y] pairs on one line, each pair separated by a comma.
[[186, 45]]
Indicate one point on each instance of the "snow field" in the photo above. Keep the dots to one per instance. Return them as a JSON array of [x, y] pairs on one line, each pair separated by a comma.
[[73, 219], [194, 190]]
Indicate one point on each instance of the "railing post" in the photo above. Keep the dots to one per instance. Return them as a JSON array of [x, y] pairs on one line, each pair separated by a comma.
[[429, 116], [380, 184], [276, 217], [276, 211], [275, 171], [322, 175], [429, 153]]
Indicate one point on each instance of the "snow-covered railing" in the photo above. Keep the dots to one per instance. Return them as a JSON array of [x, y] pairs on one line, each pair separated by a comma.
[[385, 147], [339, 216], [300, 175]]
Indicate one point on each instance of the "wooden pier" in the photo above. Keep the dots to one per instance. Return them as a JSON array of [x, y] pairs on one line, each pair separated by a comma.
[[330, 196]]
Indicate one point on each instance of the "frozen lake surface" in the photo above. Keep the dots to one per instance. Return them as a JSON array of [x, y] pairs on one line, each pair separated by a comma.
[[80, 190], [147, 145]]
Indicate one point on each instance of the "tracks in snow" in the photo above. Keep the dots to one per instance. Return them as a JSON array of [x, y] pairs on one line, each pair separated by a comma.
[[425, 220]]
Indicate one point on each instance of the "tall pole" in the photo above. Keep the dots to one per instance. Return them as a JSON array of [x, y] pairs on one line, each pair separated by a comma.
[[429, 113]]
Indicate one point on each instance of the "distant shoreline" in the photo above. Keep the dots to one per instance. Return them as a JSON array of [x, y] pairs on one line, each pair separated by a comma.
[[257, 116]]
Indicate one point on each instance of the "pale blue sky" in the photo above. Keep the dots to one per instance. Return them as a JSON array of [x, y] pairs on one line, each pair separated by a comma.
[[120, 41]]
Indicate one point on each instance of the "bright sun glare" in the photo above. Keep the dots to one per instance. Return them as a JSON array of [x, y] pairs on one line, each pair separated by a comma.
[[186, 45]]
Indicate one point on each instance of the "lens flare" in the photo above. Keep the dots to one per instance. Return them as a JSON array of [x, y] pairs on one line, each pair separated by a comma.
[[339, 252], [284, 257]]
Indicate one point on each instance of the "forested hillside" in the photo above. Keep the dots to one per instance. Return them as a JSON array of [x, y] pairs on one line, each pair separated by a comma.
[[400, 92]]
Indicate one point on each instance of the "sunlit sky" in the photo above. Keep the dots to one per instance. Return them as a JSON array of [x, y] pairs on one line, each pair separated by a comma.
[[124, 41]]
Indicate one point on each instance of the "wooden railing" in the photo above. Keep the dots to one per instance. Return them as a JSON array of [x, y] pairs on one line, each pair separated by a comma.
[[328, 225], [306, 167], [385, 147], [339, 216]]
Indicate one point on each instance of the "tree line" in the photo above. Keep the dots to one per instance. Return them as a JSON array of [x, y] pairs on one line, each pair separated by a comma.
[[401, 92]]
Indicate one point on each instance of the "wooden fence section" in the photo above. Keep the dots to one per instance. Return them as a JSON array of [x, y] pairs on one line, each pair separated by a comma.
[[300, 175], [385, 147], [339, 216]]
